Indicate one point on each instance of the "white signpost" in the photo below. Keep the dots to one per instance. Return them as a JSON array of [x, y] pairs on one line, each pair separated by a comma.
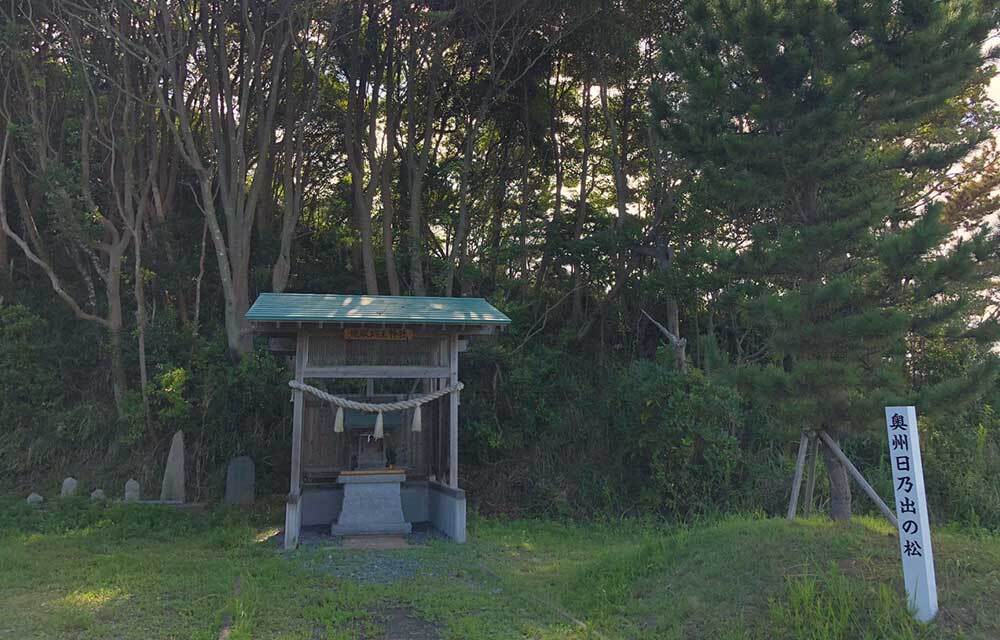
[[911, 511]]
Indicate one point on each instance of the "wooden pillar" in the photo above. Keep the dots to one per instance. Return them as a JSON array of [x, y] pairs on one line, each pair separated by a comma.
[[453, 418], [800, 463], [293, 508], [807, 507]]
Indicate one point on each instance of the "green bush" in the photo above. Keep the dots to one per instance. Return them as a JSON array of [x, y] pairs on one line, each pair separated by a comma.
[[678, 434], [597, 438], [29, 383], [961, 460]]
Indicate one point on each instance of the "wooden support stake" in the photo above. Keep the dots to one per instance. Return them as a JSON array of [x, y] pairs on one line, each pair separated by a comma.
[[800, 463], [860, 479], [807, 506]]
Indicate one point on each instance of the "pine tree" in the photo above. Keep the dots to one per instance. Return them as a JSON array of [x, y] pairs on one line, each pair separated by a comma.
[[811, 124]]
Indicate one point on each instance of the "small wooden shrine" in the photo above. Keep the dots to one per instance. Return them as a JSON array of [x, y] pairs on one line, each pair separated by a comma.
[[375, 415]]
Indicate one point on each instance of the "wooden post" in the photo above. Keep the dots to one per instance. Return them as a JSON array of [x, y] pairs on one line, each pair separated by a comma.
[[860, 479], [453, 419], [440, 459], [807, 507], [800, 463], [293, 508]]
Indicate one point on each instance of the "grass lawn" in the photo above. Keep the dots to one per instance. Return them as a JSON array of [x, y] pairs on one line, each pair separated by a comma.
[[71, 569]]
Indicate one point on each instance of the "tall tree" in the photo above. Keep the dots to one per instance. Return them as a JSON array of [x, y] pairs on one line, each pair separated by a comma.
[[89, 137], [238, 62], [800, 118]]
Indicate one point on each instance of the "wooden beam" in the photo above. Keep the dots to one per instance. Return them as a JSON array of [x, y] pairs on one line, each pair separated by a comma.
[[800, 463], [376, 371], [860, 479]]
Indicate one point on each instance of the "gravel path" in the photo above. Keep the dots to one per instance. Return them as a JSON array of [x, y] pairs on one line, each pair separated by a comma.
[[326, 554], [373, 567]]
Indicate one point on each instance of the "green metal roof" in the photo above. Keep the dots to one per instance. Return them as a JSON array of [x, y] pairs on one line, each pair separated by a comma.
[[320, 307]]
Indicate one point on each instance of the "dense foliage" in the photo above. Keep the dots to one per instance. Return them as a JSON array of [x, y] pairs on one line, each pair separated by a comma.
[[714, 224], [809, 121]]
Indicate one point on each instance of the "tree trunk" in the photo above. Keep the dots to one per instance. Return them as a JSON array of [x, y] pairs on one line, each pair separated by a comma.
[[388, 216], [140, 318], [619, 163], [196, 317], [119, 383], [840, 484], [526, 189], [679, 348], [292, 188], [462, 227], [236, 322], [499, 204], [414, 237], [227, 267], [5, 272], [363, 215], [552, 225], [393, 110], [581, 206], [417, 163], [283, 264]]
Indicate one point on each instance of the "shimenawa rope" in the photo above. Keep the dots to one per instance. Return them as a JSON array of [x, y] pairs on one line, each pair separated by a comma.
[[375, 407]]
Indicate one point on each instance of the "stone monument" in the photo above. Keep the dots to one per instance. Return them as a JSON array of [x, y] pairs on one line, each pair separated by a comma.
[[173, 476], [132, 491], [68, 488], [35, 499], [98, 494], [240, 480]]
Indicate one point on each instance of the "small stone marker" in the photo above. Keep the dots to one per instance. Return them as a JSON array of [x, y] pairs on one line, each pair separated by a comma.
[[173, 476], [68, 488], [240, 481], [34, 499], [98, 494], [911, 511], [132, 491]]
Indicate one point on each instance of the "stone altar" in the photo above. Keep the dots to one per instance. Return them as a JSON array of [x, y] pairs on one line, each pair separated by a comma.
[[371, 504]]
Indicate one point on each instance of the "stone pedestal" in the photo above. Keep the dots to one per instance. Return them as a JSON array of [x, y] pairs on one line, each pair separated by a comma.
[[372, 504]]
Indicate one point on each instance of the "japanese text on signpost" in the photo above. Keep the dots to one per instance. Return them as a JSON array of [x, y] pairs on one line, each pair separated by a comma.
[[911, 511]]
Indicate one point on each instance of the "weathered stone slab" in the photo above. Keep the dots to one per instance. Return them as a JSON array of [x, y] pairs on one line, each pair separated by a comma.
[[34, 499], [372, 505], [132, 491], [173, 476], [68, 488], [98, 494], [240, 481]]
